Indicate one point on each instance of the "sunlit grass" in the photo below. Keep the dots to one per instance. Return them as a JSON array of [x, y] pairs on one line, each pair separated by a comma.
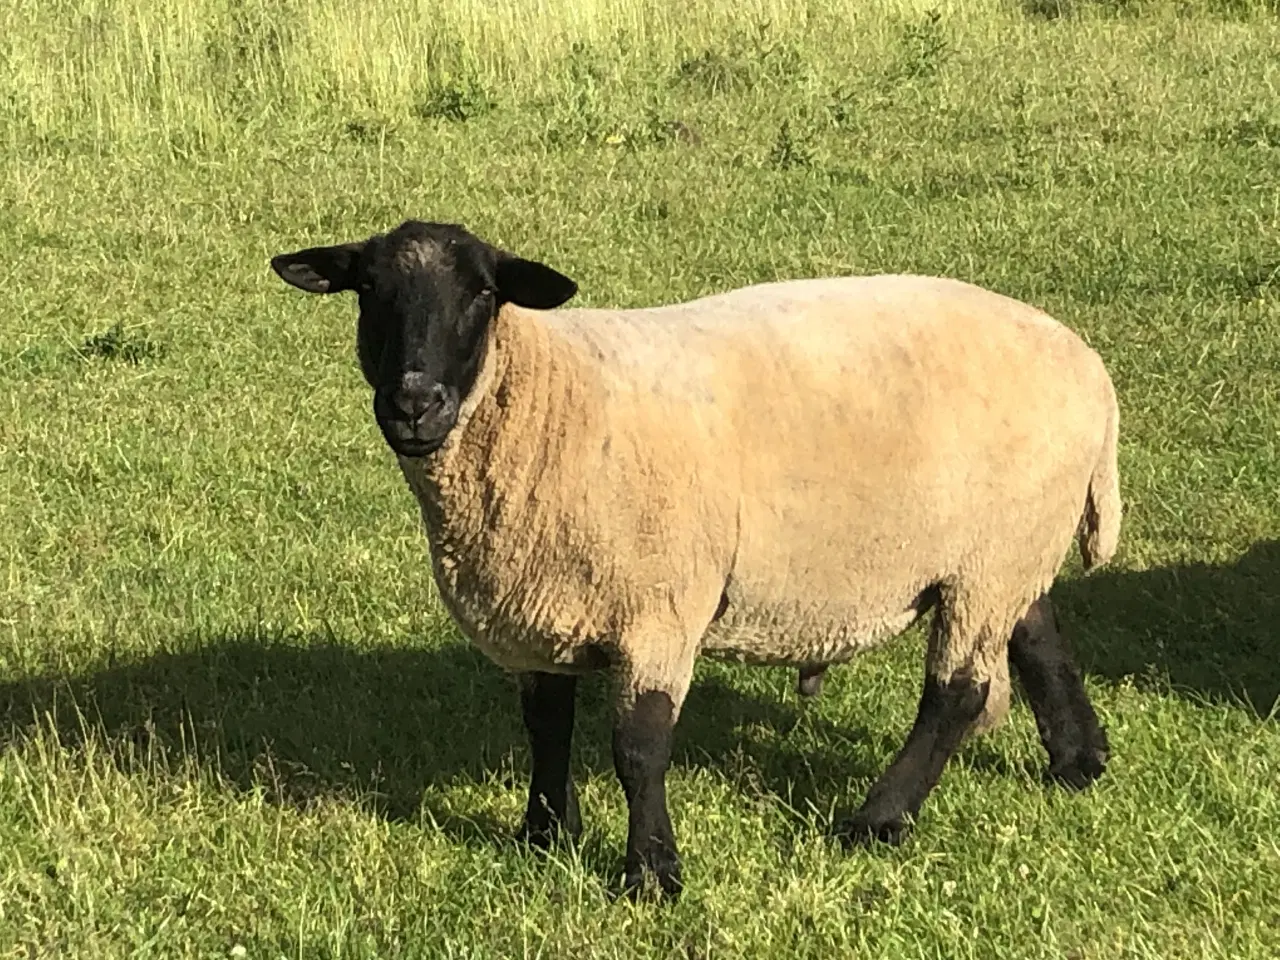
[[235, 716]]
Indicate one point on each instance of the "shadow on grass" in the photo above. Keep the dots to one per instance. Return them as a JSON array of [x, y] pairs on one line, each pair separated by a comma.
[[1210, 631], [307, 720]]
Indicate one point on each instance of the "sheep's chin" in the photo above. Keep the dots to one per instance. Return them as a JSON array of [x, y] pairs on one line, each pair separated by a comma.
[[411, 447], [416, 449]]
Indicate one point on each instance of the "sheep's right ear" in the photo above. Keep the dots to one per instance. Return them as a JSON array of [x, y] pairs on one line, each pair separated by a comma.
[[319, 269]]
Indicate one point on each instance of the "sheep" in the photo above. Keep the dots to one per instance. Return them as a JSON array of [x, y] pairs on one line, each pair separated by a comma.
[[783, 474]]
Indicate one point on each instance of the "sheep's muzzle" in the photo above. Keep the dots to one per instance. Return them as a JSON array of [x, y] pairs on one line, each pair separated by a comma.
[[415, 414]]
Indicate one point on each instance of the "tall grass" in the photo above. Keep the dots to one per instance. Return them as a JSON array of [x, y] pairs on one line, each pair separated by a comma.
[[97, 72]]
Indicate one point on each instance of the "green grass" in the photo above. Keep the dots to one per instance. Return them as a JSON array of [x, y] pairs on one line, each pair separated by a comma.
[[234, 720]]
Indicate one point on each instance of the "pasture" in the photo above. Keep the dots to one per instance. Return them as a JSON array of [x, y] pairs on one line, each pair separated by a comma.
[[234, 721]]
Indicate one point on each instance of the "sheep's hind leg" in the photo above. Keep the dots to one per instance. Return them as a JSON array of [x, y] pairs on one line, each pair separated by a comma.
[[1069, 727], [809, 683], [547, 702], [947, 712]]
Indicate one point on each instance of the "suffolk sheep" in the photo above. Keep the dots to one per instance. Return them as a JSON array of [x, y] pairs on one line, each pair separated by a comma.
[[786, 474]]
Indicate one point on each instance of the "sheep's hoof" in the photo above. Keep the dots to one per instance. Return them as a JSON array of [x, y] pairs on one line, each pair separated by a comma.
[[543, 836], [862, 830], [1080, 770], [654, 881], [539, 838]]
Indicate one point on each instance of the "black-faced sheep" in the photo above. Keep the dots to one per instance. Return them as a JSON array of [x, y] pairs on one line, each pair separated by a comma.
[[788, 473]]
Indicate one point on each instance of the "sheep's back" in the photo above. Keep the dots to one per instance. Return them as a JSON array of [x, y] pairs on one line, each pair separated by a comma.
[[876, 436]]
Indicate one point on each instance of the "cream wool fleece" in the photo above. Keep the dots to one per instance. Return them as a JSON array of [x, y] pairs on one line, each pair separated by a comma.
[[785, 474]]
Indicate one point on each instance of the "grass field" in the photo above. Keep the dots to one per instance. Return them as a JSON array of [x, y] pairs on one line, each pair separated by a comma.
[[234, 721]]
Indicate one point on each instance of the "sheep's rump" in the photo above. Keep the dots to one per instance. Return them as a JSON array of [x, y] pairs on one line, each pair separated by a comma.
[[824, 456]]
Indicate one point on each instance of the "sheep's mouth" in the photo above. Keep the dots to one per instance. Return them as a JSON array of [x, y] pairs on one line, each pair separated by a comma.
[[411, 440], [415, 422], [415, 449]]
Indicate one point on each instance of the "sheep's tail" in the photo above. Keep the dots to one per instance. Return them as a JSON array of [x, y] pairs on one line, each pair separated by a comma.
[[1099, 531]]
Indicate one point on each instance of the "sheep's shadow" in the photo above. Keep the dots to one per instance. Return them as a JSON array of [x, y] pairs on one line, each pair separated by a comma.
[[1211, 631], [304, 719]]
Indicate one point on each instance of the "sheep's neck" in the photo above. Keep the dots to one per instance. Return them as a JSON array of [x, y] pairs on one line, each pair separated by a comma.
[[480, 492]]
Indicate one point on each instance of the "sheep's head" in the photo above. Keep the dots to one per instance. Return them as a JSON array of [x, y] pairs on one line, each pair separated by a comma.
[[428, 292]]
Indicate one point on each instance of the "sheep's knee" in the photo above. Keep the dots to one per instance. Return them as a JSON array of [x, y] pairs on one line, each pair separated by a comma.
[[977, 651], [996, 709]]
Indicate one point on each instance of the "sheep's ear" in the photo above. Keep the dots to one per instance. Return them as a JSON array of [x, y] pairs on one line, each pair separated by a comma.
[[319, 269], [528, 283]]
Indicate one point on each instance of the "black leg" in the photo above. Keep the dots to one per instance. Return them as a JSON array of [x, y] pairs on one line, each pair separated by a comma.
[[547, 701], [946, 712], [1069, 728], [641, 753]]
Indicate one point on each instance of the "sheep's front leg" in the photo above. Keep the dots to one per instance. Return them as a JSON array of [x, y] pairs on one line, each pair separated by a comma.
[[641, 754], [1069, 728], [547, 702]]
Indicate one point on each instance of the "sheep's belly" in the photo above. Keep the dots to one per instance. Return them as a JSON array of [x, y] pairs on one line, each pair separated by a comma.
[[798, 641], [519, 655]]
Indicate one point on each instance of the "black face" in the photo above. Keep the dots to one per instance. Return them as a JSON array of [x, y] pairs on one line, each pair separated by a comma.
[[427, 294]]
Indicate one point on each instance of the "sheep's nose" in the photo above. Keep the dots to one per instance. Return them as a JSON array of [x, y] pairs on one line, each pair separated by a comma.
[[416, 394]]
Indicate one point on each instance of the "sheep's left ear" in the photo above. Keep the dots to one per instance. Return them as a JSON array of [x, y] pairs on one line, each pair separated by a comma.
[[528, 283], [319, 269]]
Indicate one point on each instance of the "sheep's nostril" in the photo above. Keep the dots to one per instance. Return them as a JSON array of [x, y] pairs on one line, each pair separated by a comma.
[[410, 405], [416, 395]]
